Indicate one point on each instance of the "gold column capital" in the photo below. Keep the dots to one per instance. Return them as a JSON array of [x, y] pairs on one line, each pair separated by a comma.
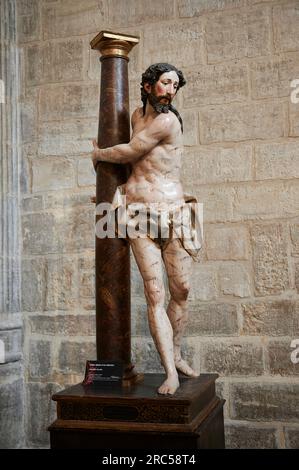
[[114, 44]]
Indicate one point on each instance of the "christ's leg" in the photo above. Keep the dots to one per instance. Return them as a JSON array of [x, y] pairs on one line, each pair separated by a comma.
[[178, 266], [149, 261]]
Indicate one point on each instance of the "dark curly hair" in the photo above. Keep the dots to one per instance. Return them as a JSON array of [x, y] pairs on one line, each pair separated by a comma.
[[151, 76]]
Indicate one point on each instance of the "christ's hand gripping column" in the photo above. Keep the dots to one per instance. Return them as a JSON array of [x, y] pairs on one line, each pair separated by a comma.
[[155, 152]]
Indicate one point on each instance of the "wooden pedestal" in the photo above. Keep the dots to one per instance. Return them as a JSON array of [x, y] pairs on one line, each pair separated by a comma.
[[138, 418]]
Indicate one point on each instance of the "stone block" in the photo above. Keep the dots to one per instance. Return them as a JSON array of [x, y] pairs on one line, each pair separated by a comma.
[[63, 231], [33, 284], [68, 101], [32, 203], [63, 325], [62, 284], [12, 340], [217, 164], [85, 172], [265, 401], [272, 77], [88, 303], [52, 174], [297, 276], [25, 174], [254, 2], [296, 319], [232, 357], [255, 201], [135, 68], [33, 63], [79, 229], [292, 437], [211, 319], [190, 123], [277, 161], [247, 436], [146, 358], [227, 243], [73, 18], [28, 24], [87, 284], [67, 138], [240, 34], [270, 259], [11, 320], [87, 263], [73, 356], [237, 122], [41, 234], [94, 64], [204, 283], [139, 321], [28, 116], [265, 200], [12, 413], [194, 8], [10, 371], [273, 318], [134, 12], [280, 358], [286, 27], [63, 61], [235, 279], [294, 232], [64, 200], [135, 95], [29, 150], [54, 62], [294, 119], [217, 200], [215, 84], [145, 355], [41, 412], [174, 37], [39, 358]]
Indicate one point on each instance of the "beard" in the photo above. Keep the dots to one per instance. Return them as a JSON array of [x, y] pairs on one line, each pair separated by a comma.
[[159, 107]]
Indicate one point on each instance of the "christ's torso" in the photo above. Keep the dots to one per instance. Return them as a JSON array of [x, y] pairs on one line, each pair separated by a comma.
[[155, 177]]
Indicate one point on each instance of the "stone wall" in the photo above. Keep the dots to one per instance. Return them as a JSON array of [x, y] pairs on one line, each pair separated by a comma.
[[241, 161]]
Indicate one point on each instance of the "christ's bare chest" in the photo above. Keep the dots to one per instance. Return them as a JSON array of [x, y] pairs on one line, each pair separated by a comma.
[[140, 124]]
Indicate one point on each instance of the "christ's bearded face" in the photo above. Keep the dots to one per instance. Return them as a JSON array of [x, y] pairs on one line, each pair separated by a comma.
[[161, 94]]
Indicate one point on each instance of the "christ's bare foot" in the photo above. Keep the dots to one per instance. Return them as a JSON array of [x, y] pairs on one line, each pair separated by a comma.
[[183, 367], [170, 385]]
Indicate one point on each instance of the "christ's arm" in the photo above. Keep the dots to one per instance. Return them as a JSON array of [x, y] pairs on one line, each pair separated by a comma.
[[141, 144]]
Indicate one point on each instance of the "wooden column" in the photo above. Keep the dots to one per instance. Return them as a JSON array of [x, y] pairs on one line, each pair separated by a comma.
[[113, 303]]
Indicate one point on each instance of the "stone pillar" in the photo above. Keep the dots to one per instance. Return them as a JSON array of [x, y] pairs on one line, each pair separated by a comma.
[[113, 316], [11, 372]]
